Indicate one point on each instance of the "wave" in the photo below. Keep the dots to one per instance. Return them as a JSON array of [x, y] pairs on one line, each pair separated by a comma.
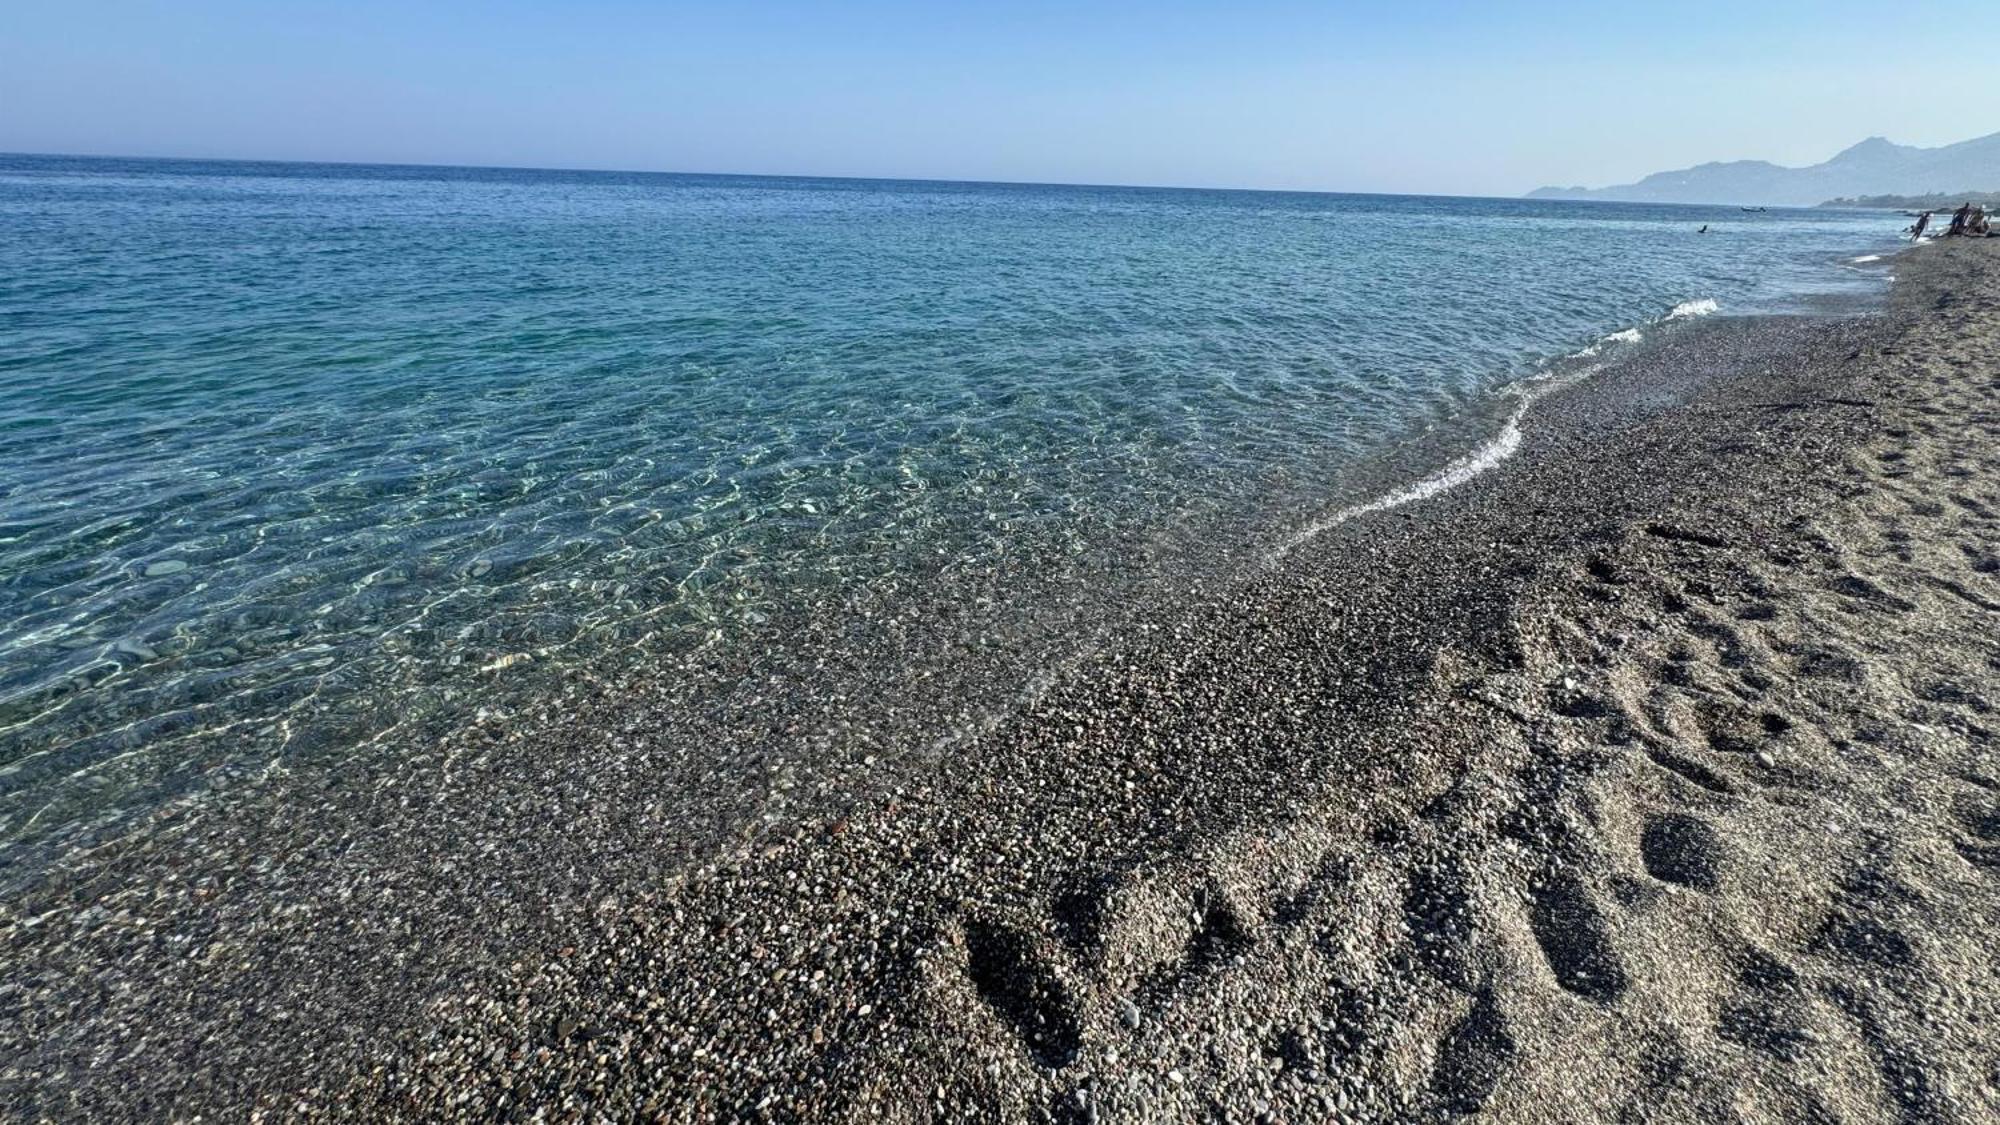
[[1487, 456], [1866, 258], [1626, 336], [1502, 445]]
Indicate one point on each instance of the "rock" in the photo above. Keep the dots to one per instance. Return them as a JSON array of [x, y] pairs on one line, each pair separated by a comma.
[[1129, 1012]]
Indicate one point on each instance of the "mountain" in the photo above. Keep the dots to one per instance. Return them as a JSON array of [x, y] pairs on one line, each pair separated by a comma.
[[1873, 167], [1941, 201]]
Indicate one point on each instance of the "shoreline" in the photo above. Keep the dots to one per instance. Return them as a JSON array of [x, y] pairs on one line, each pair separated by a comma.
[[1133, 841], [516, 689], [250, 657]]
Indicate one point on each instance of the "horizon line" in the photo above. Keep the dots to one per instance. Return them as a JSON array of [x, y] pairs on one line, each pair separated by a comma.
[[1525, 196]]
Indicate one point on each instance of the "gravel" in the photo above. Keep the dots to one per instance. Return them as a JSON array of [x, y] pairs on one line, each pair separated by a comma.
[[1365, 830]]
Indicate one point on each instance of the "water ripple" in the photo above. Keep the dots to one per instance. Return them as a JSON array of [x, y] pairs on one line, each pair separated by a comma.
[[291, 457]]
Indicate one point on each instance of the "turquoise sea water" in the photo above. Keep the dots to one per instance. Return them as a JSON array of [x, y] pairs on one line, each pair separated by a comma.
[[293, 458]]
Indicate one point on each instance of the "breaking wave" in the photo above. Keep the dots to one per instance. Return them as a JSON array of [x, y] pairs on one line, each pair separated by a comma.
[[1702, 307]]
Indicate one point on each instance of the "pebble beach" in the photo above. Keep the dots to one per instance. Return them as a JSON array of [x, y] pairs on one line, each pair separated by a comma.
[[1649, 775]]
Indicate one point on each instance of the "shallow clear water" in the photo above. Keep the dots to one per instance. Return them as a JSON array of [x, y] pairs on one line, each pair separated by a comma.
[[291, 456]]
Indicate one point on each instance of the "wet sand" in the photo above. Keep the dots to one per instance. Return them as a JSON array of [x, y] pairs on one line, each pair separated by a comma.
[[1649, 776]]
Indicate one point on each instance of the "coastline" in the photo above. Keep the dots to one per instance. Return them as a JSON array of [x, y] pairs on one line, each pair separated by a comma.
[[1372, 828], [768, 625]]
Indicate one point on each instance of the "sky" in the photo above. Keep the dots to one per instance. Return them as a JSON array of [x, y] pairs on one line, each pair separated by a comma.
[[1413, 96]]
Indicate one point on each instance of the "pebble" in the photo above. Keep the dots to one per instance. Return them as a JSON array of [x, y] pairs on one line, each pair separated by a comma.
[[719, 1034]]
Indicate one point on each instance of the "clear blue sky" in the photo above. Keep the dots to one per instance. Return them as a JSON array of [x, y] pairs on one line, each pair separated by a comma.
[[1415, 96]]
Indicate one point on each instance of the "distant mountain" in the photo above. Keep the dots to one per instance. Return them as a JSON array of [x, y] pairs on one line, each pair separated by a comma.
[[1939, 201], [1873, 167]]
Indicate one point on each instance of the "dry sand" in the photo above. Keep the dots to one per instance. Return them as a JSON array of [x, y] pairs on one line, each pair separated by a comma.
[[1650, 777]]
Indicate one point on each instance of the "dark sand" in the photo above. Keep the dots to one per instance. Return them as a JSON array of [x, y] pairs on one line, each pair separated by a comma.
[[1649, 777]]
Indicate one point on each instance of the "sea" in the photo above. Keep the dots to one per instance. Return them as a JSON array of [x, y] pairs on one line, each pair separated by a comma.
[[302, 463]]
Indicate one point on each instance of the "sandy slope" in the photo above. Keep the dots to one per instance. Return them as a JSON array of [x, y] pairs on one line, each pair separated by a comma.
[[1651, 777]]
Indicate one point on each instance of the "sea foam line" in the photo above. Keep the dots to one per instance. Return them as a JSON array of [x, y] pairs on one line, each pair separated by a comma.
[[1628, 336], [1497, 449], [1487, 457]]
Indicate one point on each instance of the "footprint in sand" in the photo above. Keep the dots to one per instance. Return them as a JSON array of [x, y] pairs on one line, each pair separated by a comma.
[[1684, 849], [1570, 929]]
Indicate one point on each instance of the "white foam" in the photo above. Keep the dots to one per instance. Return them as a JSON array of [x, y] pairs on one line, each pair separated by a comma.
[[1486, 457], [1626, 336], [1866, 258], [1503, 445]]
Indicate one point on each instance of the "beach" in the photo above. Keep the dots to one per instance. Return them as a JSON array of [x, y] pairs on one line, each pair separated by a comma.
[[1647, 775]]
